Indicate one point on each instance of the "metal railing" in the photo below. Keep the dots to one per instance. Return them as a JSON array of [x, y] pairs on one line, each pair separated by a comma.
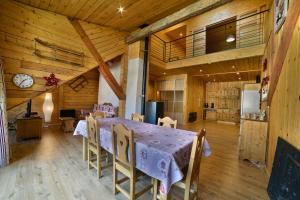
[[247, 31]]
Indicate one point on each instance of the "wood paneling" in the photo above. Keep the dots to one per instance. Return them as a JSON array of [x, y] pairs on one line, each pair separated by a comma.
[[103, 67], [84, 98], [21, 24], [253, 141], [194, 9], [104, 12], [195, 96], [247, 69], [285, 106]]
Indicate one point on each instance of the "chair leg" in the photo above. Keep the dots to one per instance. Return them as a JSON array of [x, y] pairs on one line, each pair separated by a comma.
[[89, 159], [132, 187], [155, 188], [187, 192], [99, 170], [115, 178]]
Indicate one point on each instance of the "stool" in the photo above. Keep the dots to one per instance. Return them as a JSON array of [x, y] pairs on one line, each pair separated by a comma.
[[67, 124]]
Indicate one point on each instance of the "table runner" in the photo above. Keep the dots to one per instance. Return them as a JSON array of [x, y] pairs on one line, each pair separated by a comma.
[[161, 152]]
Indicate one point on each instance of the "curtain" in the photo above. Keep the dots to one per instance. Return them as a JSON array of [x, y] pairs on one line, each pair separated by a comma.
[[4, 148]]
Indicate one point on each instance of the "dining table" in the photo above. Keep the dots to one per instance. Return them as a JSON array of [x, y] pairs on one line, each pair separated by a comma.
[[161, 152]]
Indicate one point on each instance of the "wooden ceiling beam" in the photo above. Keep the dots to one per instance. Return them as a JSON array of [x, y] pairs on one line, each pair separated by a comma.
[[285, 40], [103, 67], [188, 12]]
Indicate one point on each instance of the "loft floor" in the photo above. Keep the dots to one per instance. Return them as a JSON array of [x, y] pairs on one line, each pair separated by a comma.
[[52, 168]]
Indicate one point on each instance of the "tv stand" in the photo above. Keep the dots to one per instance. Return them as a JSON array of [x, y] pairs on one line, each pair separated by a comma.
[[29, 127]]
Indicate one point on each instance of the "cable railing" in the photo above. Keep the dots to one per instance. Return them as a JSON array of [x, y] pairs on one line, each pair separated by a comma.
[[230, 34]]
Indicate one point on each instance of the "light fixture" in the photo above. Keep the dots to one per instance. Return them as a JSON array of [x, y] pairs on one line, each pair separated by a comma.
[[180, 34], [239, 78], [237, 73], [230, 38], [201, 70], [233, 66], [48, 107], [121, 9]]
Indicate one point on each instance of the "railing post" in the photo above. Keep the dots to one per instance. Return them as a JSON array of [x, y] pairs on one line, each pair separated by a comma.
[[164, 51]]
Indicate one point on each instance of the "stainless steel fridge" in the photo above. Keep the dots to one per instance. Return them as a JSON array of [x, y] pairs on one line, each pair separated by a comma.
[[250, 100]]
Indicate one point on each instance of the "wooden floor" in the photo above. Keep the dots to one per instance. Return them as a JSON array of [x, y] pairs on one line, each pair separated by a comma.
[[53, 169]]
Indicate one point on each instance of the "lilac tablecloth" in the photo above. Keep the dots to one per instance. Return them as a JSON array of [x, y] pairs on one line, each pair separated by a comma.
[[161, 152]]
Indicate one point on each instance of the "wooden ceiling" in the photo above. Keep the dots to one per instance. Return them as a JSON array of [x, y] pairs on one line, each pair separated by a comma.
[[246, 69], [105, 12]]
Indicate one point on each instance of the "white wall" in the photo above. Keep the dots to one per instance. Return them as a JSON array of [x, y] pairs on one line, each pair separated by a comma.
[[134, 87], [105, 93]]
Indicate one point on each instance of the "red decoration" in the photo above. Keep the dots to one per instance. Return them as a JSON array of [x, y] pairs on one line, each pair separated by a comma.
[[265, 64], [51, 80]]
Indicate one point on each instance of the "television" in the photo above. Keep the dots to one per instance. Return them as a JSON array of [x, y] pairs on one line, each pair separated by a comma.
[[68, 113]]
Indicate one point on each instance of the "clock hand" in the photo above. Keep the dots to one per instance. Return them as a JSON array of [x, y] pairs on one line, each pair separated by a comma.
[[22, 81]]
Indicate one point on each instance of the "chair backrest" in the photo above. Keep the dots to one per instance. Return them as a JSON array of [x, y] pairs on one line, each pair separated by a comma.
[[167, 122], [195, 159], [122, 143], [92, 130], [137, 117], [99, 114]]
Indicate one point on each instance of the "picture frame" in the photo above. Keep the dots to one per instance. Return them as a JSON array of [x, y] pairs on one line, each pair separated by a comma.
[[281, 10]]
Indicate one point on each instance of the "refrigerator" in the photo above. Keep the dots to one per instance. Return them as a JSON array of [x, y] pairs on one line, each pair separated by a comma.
[[250, 100]]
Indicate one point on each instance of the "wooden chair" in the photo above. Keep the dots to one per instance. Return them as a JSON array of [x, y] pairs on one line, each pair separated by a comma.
[[99, 114], [137, 117], [94, 149], [167, 122], [190, 183], [124, 161]]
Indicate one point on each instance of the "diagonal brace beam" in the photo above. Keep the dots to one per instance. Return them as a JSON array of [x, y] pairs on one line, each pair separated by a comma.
[[103, 67]]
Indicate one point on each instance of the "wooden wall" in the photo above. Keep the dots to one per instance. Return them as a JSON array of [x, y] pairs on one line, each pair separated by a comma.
[[21, 24], [86, 97], [285, 105], [64, 97], [195, 96]]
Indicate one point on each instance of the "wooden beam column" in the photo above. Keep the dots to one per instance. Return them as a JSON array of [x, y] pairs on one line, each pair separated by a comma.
[[103, 67], [190, 11], [285, 40]]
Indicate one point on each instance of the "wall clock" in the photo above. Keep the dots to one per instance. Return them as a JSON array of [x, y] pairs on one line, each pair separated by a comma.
[[23, 80]]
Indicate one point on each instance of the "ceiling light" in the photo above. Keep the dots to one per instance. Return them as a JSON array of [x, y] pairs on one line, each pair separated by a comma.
[[201, 70], [121, 9], [239, 78], [180, 34], [237, 73], [230, 38]]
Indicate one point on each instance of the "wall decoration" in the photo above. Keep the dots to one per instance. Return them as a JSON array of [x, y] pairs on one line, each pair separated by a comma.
[[78, 83], [23, 80], [51, 80], [57, 53], [265, 88], [281, 9]]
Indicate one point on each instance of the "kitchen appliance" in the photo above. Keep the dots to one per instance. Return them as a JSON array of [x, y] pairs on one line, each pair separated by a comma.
[[154, 110], [250, 102], [250, 99]]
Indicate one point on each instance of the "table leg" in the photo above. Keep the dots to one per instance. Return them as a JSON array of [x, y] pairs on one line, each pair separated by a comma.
[[84, 148]]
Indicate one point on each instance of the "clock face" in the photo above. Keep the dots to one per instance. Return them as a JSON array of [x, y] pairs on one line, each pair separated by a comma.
[[23, 80]]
